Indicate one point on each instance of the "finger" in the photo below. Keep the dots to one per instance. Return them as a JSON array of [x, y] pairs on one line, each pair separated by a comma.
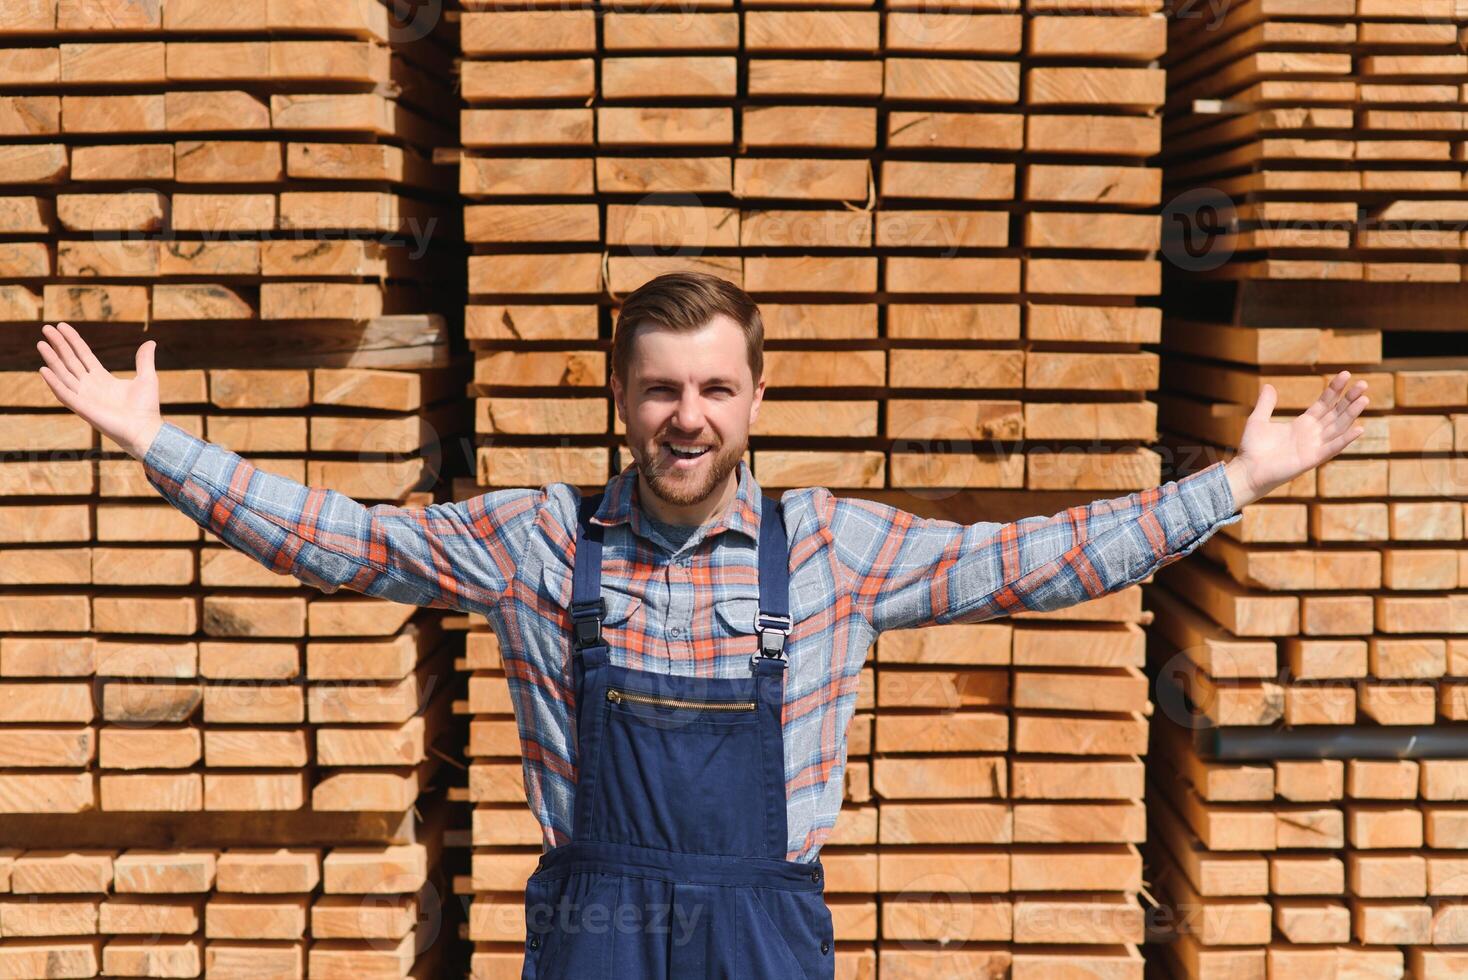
[[62, 345], [1341, 441], [62, 392], [1343, 420], [1329, 396], [82, 348], [53, 361], [66, 349], [1264, 407], [1338, 425], [1350, 397], [1357, 407]]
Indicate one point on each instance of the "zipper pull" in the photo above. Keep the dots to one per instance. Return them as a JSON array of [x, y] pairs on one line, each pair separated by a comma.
[[614, 696]]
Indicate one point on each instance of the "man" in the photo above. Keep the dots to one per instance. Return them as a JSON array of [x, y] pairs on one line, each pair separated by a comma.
[[682, 652]]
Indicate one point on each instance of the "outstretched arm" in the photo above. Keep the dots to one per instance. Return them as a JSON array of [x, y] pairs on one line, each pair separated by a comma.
[[903, 571], [458, 555]]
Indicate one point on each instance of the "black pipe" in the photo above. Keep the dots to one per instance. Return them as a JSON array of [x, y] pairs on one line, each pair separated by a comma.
[[1333, 742], [1263, 742]]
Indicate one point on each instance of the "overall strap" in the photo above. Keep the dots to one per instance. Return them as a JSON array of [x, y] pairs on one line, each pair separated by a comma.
[[772, 624], [588, 608]]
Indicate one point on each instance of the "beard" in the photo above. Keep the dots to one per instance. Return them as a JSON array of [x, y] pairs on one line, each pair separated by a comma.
[[687, 487]]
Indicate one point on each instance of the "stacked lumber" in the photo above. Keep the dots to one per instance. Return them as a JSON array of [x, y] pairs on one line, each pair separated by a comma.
[[947, 219], [1009, 785], [340, 912], [148, 671], [1319, 140], [503, 835], [250, 184], [1007, 767], [1326, 133], [194, 161], [146, 666], [1303, 867], [1338, 601], [879, 244]]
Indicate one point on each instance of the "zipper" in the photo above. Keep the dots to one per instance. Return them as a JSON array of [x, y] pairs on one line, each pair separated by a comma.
[[617, 696]]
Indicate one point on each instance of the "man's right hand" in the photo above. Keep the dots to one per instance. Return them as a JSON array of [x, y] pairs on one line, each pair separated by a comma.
[[126, 411]]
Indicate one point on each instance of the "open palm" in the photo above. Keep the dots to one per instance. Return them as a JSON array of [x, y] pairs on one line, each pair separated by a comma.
[[125, 410], [1274, 453]]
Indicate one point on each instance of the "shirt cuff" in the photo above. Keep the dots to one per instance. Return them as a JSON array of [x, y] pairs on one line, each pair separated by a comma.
[[173, 452], [1208, 499]]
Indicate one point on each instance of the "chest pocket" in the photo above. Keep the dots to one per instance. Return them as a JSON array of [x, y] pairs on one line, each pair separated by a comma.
[[624, 610], [734, 625]]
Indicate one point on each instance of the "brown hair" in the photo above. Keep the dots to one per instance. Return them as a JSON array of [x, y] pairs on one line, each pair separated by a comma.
[[685, 302]]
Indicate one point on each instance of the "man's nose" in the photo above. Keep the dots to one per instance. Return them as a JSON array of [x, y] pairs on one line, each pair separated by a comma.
[[689, 416]]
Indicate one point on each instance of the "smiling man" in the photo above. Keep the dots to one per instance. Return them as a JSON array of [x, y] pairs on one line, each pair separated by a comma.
[[689, 392], [682, 650]]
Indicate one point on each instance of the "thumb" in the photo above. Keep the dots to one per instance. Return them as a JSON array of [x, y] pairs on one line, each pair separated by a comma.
[[1264, 407], [144, 359]]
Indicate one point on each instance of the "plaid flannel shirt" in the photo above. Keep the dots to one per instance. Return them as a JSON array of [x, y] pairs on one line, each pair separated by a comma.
[[858, 568]]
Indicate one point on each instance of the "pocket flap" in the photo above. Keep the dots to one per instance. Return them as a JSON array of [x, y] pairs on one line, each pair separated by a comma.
[[737, 615], [620, 607], [556, 584]]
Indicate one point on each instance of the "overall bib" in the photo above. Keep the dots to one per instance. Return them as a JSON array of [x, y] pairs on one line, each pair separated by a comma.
[[676, 867]]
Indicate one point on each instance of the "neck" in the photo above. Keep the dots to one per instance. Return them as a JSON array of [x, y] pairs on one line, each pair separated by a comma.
[[690, 514]]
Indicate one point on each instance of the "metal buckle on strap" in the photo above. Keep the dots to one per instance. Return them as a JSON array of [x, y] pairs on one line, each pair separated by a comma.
[[772, 632], [586, 620]]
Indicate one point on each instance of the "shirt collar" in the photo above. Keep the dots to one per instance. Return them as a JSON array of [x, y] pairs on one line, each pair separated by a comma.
[[621, 505]]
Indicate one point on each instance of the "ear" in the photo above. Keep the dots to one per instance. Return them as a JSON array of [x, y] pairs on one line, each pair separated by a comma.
[[759, 396]]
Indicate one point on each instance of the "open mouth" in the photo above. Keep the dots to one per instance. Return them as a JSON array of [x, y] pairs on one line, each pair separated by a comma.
[[686, 451]]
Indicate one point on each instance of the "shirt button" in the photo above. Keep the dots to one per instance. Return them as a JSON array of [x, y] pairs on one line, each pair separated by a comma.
[[675, 631]]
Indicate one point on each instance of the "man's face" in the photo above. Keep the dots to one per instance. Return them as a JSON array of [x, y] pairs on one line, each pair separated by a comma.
[[688, 391]]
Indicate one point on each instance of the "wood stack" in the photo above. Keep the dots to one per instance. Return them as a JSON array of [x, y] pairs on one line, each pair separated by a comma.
[[1338, 601], [1327, 131], [197, 161], [178, 670], [240, 912], [249, 184], [948, 221], [1320, 137]]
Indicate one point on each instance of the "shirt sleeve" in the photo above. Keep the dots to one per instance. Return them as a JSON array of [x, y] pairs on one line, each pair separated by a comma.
[[905, 571], [460, 555]]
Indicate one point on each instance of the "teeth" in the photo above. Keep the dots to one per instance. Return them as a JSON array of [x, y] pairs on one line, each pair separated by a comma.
[[686, 451]]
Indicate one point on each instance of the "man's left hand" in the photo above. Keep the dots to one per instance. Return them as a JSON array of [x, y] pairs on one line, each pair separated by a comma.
[[1272, 454]]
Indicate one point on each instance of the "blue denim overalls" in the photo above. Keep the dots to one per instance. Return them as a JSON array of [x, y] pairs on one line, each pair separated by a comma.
[[676, 867]]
